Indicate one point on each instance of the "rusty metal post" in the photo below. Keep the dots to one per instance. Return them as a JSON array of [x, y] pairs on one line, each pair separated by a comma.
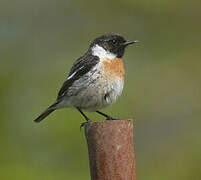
[[111, 150]]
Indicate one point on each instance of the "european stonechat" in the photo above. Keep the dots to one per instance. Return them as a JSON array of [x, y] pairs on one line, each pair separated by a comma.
[[96, 79]]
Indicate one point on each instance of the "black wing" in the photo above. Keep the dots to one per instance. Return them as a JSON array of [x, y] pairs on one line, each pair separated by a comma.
[[80, 67]]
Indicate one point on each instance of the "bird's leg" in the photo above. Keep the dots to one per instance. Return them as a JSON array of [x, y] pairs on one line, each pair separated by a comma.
[[85, 117], [105, 115]]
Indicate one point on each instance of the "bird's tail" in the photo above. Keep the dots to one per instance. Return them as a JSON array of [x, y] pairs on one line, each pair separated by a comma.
[[46, 112]]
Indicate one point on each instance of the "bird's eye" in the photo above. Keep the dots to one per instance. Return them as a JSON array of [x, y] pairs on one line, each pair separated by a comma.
[[114, 41]]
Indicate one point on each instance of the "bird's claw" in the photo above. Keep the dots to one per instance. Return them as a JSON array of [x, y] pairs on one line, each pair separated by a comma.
[[111, 118], [84, 123]]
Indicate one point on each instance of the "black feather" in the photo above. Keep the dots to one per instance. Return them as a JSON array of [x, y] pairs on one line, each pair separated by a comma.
[[80, 67], [46, 112]]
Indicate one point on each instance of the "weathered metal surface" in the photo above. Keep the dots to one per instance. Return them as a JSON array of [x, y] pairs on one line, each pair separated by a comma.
[[111, 150]]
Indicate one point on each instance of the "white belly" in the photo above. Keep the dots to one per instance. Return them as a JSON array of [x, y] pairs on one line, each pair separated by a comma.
[[93, 91]]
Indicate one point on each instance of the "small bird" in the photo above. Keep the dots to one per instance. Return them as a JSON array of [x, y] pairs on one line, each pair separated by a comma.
[[96, 79]]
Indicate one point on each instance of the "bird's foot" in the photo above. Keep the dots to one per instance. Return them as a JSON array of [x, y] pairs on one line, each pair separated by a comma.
[[85, 123], [111, 118]]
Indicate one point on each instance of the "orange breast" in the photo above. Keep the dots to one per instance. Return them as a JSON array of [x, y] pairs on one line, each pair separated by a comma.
[[114, 67]]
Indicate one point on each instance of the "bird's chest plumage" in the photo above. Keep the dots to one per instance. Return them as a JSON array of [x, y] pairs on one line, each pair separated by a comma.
[[109, 80], [100, 87], [112, 76], [113, 68]]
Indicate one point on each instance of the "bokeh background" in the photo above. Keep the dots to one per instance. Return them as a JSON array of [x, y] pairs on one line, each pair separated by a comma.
[[39, 40]]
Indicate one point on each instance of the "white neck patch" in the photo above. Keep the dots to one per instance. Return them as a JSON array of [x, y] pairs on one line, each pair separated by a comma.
[[102, 53]]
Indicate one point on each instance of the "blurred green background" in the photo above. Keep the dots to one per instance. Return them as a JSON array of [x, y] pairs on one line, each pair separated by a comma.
[[39, 40]]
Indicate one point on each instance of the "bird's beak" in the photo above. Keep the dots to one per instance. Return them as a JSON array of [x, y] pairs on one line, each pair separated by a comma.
[[130, 42]]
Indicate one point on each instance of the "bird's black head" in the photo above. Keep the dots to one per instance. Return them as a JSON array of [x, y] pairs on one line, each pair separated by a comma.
[[112, 43]]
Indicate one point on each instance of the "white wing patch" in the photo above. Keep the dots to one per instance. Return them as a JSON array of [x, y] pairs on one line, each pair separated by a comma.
[[74, 73]]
